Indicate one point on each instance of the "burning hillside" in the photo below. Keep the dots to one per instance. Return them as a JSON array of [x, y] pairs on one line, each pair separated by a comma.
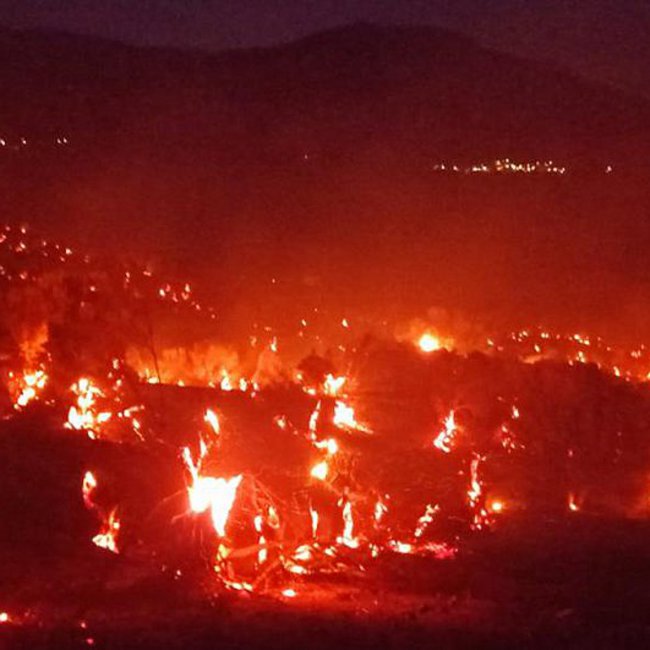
[[268, 470]]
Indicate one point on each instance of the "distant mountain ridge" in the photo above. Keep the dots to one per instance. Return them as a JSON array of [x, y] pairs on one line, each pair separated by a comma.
[[409, 93]]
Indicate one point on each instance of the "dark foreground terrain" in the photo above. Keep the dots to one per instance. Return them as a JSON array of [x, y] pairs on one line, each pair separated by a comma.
[[575, 583]]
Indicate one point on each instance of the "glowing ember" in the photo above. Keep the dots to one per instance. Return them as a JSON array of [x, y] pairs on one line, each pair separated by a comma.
[[573, 503], [497, 506], [4, 617], [426, 519]]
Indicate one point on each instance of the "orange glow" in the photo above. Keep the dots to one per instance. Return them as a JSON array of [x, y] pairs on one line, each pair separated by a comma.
[[497, 506], [429, 343]]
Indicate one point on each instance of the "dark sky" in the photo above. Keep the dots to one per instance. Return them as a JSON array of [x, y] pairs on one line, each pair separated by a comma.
[[608, 40]]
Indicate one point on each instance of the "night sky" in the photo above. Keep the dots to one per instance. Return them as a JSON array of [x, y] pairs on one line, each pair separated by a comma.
[[604, 39]]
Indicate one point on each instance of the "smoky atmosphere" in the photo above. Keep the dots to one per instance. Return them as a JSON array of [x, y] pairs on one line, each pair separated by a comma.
[[324, 324]]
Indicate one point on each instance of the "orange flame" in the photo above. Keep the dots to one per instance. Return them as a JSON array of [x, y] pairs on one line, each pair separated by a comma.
[[445, 438]]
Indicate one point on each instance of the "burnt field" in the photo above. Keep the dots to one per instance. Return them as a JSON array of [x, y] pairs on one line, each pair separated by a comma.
[[574, 582], [563, 561]]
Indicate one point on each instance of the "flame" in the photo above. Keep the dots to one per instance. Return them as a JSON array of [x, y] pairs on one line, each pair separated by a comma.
[[347, 538], [208, 492], [344, 417], [313, 420], [313, 515], [262, 554], [213, 420], [426, 519], [329, 444], [84, 415], [226, 383], [401, 547], [446, 436], [107, 536], [474, 493], [380, 511], [572, 503], [88, 486]]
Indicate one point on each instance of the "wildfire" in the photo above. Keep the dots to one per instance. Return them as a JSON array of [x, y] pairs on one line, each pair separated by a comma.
[[361, 519]]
